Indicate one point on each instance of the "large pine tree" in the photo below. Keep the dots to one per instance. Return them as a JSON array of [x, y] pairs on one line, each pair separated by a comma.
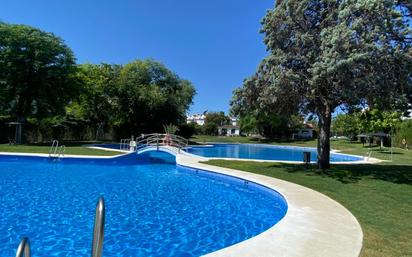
[[329, 53]]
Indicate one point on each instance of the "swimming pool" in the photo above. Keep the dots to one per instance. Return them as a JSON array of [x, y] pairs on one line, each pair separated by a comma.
[[153, 206], [264, 152]]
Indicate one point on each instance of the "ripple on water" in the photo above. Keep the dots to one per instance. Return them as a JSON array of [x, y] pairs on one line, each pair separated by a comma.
[[152, 209]]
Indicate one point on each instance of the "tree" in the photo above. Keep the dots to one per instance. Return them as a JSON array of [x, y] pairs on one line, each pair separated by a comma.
[[346, 125], [187, 130], [267, 124], [150, 96], [97, 102], [37, 73], [374, 120], [254, 117], [324, 54], [213, 120]]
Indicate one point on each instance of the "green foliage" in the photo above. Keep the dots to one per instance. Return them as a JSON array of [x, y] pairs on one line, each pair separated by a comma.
[[40, 83], [248, 124], [150, 95], [378, 121], [346, 125], [367, 121], [213, 120], [139, 97], [37, 73], [270, 125], [404, 133], [96, 106], [170, 129], [324, 54], [187, 130]]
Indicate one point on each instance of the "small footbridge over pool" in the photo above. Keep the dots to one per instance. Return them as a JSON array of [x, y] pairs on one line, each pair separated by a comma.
[[168, 143]]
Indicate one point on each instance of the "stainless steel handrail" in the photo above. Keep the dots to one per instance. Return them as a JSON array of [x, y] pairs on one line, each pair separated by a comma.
[[98, 230], [62, 150], [53, 148], [24, 248]]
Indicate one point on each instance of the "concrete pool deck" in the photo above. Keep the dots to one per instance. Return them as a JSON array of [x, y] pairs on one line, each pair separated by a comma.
[[314, 225]]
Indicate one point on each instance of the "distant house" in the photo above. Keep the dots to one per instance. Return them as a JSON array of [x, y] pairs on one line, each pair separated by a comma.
[[234, 121], [196, 118], [304, 133], [229, 130]]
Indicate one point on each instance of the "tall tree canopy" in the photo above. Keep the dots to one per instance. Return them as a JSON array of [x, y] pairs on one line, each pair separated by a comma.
[[40, 83], [37, 72], [97, 103], [329, 53], [213, 120], [150, 96]]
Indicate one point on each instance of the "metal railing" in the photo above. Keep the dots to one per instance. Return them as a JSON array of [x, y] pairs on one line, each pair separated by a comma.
[[125, 144], [56, 151], [98, 230], [158, 140], [53, 148], [24, 248]]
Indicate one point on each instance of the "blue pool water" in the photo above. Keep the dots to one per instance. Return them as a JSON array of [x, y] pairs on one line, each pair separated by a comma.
[[264, 152], [153, 207]]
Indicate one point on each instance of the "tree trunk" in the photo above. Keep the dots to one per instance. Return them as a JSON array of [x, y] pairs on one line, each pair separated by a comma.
[[325, 118]]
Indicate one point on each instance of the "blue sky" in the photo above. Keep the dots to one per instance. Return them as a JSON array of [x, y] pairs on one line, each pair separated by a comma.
[[215, 43]]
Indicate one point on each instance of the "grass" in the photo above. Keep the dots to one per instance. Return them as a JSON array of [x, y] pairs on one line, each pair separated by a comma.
[[379, 195], [75, 149]]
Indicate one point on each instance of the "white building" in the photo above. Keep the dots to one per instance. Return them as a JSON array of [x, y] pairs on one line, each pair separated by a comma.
[[196, 118], [229, 130], [234, 121], [305, 133]]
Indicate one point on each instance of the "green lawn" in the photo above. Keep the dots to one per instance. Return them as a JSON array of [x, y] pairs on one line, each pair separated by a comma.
[[75, 149], [380, 195]]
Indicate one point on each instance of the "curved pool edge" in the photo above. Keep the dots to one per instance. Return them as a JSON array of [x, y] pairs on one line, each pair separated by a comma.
[[314, 225], [362, 159]]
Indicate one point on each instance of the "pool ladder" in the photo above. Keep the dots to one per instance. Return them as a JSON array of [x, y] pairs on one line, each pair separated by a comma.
[[55, 151], [23, 249]]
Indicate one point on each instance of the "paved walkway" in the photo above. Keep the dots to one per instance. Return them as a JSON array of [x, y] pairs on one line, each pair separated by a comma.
[[314, 226]]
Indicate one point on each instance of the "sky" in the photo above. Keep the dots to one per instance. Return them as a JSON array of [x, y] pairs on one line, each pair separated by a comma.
[[215, 44]]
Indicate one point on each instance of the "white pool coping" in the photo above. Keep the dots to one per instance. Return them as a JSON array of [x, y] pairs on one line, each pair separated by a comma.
[[314, 225], [364, 160]]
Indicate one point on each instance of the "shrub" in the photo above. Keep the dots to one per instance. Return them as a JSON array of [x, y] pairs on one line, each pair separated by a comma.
[[187, 130], [404, 131]]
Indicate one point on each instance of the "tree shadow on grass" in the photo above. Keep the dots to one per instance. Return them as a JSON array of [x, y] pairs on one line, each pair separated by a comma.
[[399, 174]]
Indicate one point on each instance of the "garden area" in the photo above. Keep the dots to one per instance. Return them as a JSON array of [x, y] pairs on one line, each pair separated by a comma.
[[341, 70], [379, 196]]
